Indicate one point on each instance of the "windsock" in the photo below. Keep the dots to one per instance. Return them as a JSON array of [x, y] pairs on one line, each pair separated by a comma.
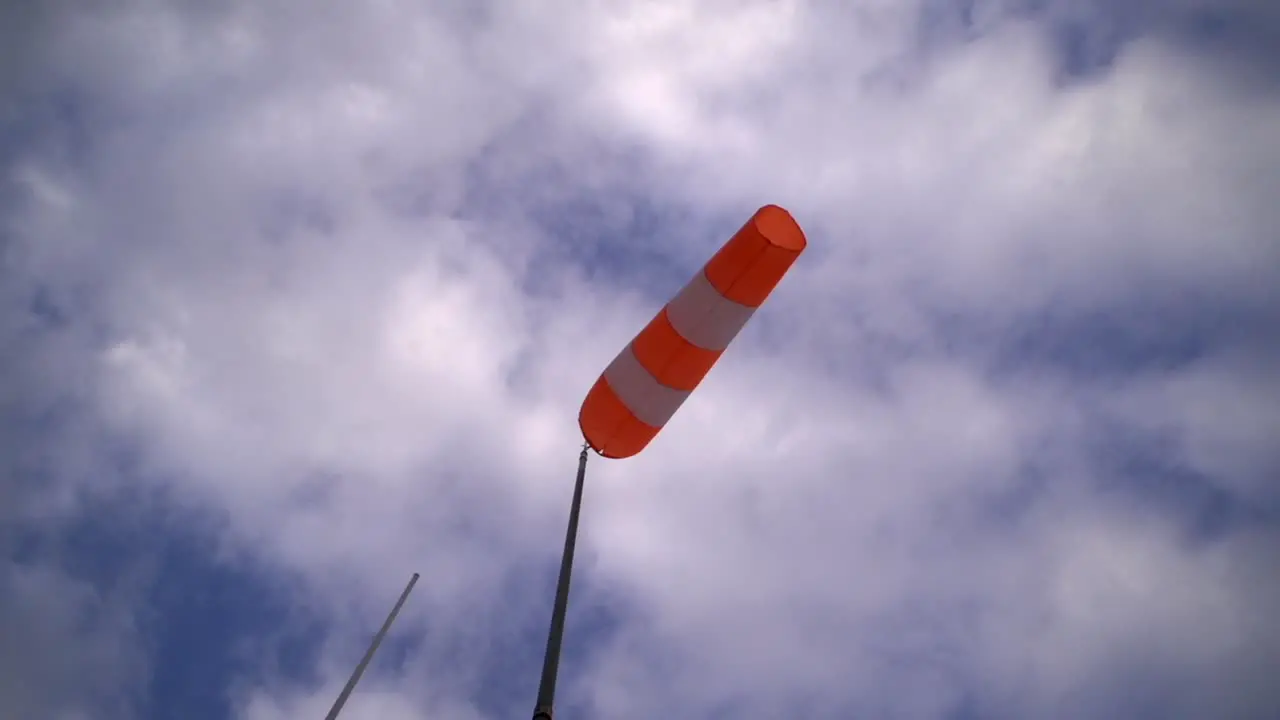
[[648, 381]]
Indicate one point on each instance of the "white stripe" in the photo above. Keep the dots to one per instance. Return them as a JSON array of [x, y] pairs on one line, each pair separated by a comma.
[[649, 400], [704, 317]]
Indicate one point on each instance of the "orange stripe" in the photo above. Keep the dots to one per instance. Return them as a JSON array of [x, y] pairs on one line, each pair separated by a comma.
[[674, 361], [609, 427], [754, 260]]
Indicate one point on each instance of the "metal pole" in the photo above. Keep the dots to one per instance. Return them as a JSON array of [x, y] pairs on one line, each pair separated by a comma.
[[544, 708], [368, 655]]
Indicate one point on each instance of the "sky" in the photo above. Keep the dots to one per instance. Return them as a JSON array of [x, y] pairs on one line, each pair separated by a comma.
[[298, 299]]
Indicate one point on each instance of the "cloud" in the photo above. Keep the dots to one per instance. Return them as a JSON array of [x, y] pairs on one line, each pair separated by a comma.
[[69, 652], [338, 278]]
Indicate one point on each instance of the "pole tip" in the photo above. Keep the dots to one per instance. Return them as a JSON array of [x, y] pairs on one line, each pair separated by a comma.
[[415, 576]]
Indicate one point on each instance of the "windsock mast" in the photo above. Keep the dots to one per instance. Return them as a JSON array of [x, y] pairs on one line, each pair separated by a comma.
[[544, 708]]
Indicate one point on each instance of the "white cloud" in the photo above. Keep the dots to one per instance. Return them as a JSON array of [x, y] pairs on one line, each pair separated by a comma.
[[301, 319], [70, 651]]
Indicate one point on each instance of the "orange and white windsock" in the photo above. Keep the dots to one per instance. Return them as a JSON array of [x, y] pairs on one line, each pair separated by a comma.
[[649, 380]]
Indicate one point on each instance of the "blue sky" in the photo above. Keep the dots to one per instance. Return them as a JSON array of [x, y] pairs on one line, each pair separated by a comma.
[[298, 300]]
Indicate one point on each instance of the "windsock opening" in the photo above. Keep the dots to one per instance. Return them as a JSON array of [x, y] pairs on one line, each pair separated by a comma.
[[780, 229]]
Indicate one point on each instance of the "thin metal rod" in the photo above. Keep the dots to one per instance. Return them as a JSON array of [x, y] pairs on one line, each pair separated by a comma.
[[544, 708], [368, 655]]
